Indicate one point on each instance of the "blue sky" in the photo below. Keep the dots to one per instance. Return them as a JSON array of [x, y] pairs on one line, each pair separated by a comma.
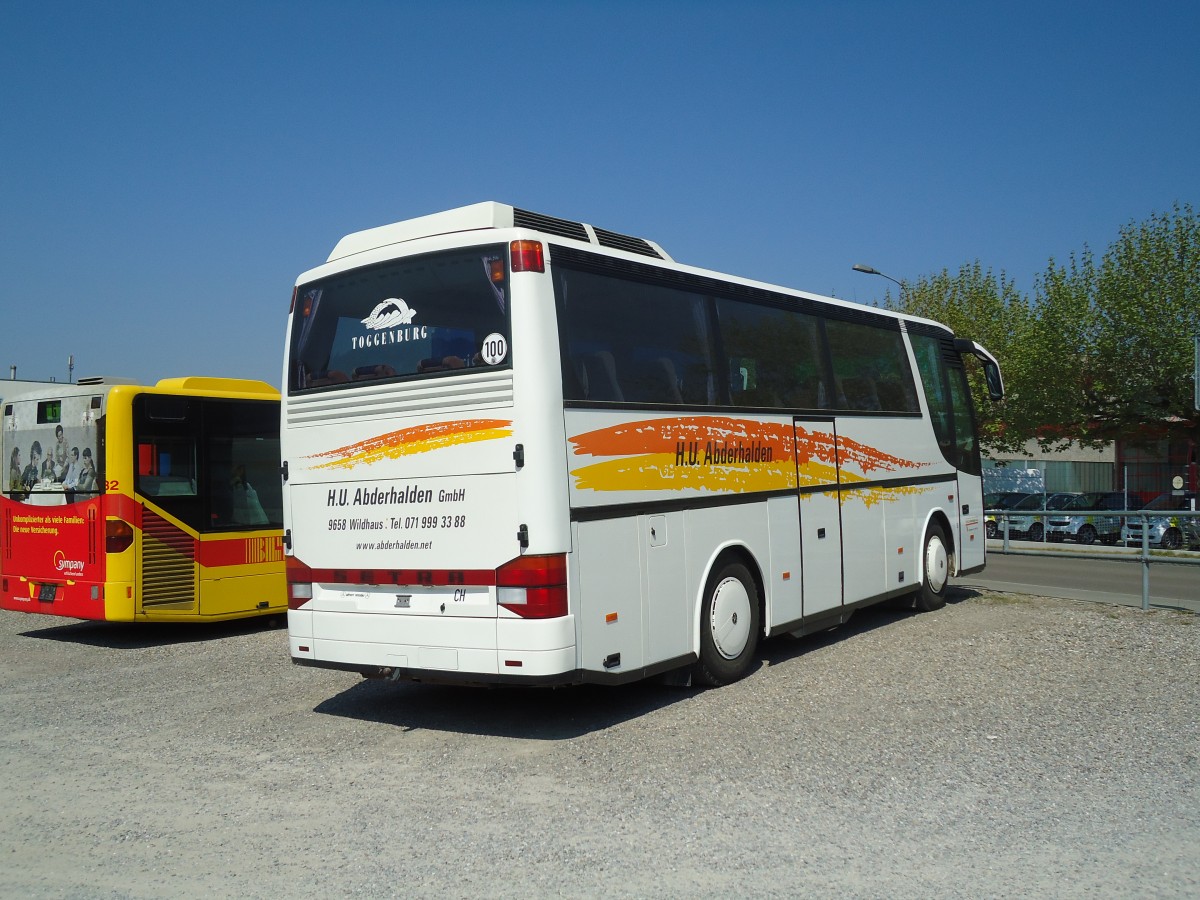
[[168, 169]]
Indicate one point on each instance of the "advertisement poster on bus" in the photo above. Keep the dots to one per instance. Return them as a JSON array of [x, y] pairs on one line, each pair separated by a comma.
[[57, 544], [52, 450]]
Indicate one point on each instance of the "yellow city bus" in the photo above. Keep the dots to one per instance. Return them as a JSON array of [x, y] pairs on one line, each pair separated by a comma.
[[132, 503]]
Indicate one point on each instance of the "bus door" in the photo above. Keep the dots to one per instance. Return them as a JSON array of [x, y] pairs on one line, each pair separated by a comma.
[[820, 514]]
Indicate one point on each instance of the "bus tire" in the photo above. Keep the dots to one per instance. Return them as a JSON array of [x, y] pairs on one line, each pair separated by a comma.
[[729, 626], [936, 571]]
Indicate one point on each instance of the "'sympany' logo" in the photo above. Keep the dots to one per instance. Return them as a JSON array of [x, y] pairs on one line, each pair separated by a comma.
[[388, 314], [62, 564]]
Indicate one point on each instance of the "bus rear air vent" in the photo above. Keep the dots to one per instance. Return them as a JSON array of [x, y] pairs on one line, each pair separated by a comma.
[[104, 379], [625, 242], [523, 218]]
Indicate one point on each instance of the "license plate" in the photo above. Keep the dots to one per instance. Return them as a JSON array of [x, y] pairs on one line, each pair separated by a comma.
[[46, 592]]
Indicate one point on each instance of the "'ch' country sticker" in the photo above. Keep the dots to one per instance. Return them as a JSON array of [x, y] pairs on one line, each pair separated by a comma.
[[409, 441]]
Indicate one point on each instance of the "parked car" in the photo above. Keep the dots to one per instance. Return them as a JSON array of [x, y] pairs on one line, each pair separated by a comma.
[[1165, 530], [1033, 527], [1003, 500], [1080, 519]]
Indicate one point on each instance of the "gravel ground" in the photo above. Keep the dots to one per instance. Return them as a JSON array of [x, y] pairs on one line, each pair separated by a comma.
[[1002, 746]]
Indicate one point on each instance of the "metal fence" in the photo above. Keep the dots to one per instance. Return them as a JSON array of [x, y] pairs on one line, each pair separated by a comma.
[[1153, 532]]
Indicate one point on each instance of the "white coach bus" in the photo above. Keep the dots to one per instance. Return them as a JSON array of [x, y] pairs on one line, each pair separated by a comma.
[[523, 449]]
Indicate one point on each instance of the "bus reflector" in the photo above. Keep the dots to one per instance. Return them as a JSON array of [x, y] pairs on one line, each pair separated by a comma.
[[527, 256], [534, 587], [118, 535]]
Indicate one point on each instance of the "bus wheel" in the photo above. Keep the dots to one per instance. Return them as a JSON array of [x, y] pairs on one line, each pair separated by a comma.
[[729, 626], [932, 594]]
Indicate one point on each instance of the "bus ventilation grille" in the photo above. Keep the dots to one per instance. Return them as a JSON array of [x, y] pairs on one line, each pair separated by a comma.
[[168, 564], [625, 242], [523, 218]]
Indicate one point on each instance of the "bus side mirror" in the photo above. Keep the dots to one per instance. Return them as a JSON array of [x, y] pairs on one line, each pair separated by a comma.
[[995, 385], [991, 368]]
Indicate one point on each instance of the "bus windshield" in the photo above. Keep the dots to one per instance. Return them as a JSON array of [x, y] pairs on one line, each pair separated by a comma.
[[420, 316]]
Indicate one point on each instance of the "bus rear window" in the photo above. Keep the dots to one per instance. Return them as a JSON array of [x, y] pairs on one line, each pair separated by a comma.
[[413, 318]]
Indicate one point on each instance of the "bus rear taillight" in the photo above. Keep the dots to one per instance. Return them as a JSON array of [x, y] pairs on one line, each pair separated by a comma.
[[299, 582], [118, 535], [534, 587], [527, 256]]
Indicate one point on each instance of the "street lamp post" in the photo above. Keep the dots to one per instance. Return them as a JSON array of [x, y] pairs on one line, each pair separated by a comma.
[[867, 270]]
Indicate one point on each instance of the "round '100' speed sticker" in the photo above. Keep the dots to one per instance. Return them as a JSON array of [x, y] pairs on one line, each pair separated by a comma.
[[495, 349]]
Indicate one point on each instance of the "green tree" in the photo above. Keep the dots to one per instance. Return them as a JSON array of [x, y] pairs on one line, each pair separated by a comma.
[[1147, 300], [1101, 351], [1062, 352]]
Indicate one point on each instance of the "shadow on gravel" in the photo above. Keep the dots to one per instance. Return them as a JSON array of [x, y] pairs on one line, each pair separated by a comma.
[[141, 635], [782, 649], [540, 714], [559, 714]]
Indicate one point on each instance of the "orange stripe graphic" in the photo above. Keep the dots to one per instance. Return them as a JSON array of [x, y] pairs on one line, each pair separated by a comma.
[[721, 453], [418, 439]]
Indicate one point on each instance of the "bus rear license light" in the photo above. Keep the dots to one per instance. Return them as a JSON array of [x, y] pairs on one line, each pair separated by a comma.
[[118, 535], [527, 256]]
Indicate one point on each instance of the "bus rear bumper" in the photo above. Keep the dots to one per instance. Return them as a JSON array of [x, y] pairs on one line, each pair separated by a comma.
[[72, 599], [428, 649]]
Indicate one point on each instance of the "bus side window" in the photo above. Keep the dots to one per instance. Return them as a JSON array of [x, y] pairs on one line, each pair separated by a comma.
[[600, 375], [965, 441], [656, 381], [928, 353], [871, 368], [776, 357], [631, 341]]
